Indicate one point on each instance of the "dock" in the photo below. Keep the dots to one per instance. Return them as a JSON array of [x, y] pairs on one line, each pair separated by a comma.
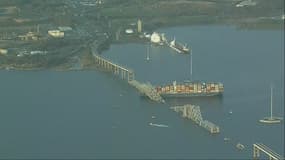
[[193, 112]]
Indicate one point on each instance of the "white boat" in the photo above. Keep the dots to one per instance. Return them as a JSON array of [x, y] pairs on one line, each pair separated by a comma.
[[178, 47], [271, 119], [240, 146], [172, 45], [158, 125]]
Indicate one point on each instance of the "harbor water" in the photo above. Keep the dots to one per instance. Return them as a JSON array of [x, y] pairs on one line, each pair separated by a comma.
[[90, 114]]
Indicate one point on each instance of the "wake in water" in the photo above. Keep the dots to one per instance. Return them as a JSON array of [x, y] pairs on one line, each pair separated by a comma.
[[158, 125]]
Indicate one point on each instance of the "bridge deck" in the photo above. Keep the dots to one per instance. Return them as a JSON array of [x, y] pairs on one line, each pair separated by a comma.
[[116, 69], [148, 90], [272, 154], [112, 63], [193, 112]]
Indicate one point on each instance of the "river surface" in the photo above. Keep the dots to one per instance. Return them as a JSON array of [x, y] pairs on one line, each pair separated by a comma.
[[90, 114]]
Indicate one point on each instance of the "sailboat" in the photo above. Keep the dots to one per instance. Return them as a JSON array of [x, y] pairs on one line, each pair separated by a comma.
[[271, 119]]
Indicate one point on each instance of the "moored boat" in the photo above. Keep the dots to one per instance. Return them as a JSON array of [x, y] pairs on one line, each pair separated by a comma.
[[178, 47]]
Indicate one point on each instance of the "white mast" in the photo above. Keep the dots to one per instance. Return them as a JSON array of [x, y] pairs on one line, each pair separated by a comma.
[[271, 119], [147, 53], [191, 64], [271, 102], [38, 28]]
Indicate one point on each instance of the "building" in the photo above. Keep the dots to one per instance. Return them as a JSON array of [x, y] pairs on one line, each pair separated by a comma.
[[29, 36], [155, 38], [129, 31], [56, 33], [3, 51], [139, 26]]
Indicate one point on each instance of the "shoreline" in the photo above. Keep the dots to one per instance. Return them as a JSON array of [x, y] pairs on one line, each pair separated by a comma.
[[103, 24], [103, 46]]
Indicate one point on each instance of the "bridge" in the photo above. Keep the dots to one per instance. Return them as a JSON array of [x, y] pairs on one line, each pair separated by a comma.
[[122, 72], [148, 90], [257, 147], [193, 112], [127, 74]]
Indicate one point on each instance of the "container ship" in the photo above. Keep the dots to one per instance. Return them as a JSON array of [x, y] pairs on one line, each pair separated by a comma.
[[178, 47], [190, 89]]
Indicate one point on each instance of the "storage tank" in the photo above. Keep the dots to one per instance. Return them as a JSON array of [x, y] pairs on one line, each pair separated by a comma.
[[3, 51], [155, 38], [56, 33]]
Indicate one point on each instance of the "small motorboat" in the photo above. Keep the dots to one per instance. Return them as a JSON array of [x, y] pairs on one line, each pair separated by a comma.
[[240, 146], [158, 125]]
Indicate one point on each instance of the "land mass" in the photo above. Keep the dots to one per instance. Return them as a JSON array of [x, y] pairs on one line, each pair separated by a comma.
[[26, 44]]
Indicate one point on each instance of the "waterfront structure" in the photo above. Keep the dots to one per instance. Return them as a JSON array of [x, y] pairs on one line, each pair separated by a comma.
[[129, 31], [3, 51], [56, 33], [155, 38], [29, 36]]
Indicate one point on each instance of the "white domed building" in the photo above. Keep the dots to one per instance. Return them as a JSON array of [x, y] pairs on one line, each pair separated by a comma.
[[155, 38]]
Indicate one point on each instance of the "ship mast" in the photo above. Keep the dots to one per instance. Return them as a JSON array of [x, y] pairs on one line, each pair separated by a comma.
[[271, 119], [191, 64], [271, 102], [147, 53]]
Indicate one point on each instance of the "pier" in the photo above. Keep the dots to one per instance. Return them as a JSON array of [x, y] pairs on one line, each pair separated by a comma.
[[193, 112], [257, 147]]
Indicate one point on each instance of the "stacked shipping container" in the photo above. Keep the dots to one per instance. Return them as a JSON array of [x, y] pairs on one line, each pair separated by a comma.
[[191, 88]]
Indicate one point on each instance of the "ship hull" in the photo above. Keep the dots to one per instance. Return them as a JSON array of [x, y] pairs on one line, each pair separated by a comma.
[[178, 49], [169, 95], [190, 89]]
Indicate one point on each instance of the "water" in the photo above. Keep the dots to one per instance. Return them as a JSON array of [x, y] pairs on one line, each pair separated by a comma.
[[87, 114]]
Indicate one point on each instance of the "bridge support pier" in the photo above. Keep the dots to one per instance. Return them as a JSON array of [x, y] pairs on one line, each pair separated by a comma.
[[129, 75], [256, 152], [123, 73]]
